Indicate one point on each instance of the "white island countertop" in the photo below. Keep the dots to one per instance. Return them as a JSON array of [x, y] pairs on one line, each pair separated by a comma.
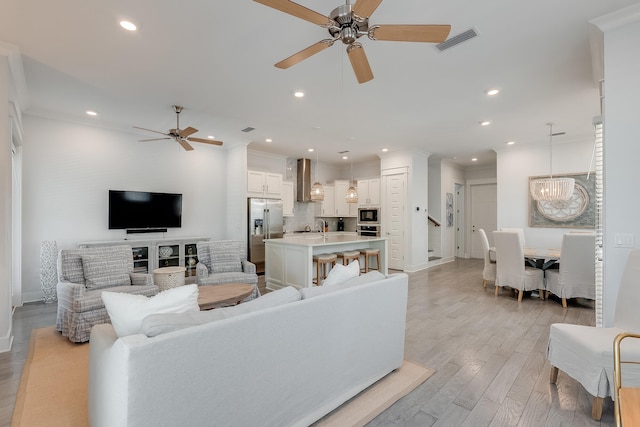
[[289, 260]]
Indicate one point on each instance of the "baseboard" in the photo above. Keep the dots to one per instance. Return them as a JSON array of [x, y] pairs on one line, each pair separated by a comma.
[[6, 343], [34, 296]]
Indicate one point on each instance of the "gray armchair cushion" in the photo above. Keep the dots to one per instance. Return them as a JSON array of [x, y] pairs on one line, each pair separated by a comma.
[[70, 268], [225, 256], [105, 272]]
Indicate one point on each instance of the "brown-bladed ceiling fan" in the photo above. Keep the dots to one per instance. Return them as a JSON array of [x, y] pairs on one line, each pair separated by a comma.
[[350, 22], [180, 135]]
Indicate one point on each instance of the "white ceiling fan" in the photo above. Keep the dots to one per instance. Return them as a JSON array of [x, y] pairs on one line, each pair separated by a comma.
[[181, 136]]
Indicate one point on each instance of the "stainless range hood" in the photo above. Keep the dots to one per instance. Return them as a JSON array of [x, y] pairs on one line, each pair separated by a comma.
[[304, 180]]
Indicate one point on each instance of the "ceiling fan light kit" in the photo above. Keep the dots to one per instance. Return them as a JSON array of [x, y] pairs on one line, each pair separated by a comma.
[[181, 136], [551, 189], [349, 22]]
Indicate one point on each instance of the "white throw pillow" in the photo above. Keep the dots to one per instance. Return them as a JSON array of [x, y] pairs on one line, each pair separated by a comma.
[[127, 311], [341, 273]]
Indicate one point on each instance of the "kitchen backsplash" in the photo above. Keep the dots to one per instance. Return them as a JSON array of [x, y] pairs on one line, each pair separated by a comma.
[[303, 215]]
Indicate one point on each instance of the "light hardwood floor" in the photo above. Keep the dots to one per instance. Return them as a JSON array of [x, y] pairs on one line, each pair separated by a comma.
[[489, 353]]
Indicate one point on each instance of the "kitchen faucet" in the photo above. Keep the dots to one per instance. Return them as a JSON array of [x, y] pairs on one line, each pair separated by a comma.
[[324, 227]]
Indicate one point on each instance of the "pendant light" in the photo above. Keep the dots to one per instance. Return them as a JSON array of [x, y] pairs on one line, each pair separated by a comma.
[[352, 193], [317, 191], [551, 189]]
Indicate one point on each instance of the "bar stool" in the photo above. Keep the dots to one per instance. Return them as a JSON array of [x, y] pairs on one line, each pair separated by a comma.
[[348, 256], [323, 260], [369, 253]]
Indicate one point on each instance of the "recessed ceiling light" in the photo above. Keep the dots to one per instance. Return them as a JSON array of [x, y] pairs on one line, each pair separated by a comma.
[[475, 159], [211, 137], [485, 123], [269, 140], [510, 142], [310, 150], [492, 92], [128, 24], [345, 157], [384, 150], [298, 94], [91, 113], [352, 138]]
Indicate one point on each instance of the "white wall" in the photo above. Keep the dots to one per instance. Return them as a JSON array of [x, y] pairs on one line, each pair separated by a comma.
[[435, 206], [69, 168], [451, 175], [5, 208], [516, 165], [621, 147]]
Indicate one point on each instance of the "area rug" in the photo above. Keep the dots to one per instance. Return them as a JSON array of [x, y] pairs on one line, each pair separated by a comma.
[[53, 387]]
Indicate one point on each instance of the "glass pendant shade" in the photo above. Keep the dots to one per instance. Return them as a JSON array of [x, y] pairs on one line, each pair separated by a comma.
[[352, 195], [551, 189], [317, 192]]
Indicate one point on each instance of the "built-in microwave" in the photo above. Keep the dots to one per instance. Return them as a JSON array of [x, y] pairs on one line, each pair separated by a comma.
[[368, 216]]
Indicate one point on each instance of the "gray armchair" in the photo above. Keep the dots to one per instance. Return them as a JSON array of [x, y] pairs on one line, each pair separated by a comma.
[[225, 261], [82, 276]]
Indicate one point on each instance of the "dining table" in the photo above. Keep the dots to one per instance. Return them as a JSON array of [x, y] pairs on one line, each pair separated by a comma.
[[536, 257]]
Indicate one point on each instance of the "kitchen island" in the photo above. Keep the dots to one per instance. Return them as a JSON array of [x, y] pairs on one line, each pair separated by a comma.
[[289, 261]]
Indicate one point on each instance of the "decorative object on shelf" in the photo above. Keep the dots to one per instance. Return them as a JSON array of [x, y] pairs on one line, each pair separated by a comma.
[[317, 192], [352, 192], [449, 210], [165, 251], [551, 189], [49, 270], [577, 212]]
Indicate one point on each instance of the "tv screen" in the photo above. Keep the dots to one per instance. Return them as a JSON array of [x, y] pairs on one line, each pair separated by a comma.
[[141, 209]]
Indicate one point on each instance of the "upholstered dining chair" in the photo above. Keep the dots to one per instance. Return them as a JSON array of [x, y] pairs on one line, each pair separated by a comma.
[[510, 268], [585, 353], [520, 231], [576, 277], [489, 271]]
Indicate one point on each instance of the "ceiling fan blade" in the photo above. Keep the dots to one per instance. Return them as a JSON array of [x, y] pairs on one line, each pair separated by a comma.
[[153, 139], [297, 10], [188, 131], [184, 144], [410, 33], [149, 130], [359, 63], [205, 141], [365, 8], [304, 54]]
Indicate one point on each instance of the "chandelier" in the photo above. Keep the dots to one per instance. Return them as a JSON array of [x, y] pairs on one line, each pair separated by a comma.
[[317, 192], [551, 189]]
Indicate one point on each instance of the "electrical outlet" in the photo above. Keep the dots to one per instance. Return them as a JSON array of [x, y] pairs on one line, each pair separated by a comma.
[[623, 240]]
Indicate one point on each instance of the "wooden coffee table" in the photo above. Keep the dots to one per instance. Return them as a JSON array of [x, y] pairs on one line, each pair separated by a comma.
[[213, 296]]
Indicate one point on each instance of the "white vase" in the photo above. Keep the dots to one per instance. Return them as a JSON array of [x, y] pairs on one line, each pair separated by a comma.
[[49, 270]]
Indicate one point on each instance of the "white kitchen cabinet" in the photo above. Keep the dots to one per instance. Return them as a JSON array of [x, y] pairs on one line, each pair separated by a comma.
[[343, 208], [287, 198], [328, 205], [369, 192], [264, 184]]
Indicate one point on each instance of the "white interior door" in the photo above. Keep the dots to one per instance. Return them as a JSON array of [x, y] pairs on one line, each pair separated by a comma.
[[394, 218], [484, 214]]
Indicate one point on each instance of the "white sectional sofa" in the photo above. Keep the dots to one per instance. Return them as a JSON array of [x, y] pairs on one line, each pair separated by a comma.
[[285, 359]]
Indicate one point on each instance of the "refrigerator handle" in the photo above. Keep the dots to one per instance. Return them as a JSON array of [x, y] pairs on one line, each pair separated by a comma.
[[267, 230]]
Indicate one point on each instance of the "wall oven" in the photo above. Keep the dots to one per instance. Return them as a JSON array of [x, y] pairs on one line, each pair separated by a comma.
[[368, 216], [369, 230]]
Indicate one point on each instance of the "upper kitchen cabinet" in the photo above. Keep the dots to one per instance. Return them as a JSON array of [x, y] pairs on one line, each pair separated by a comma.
[[343, 208], [369, 192], [328, 206], [264, 184], [287, 198]]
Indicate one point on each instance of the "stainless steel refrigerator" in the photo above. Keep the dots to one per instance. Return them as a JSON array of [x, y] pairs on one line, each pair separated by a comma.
[[265, 222]]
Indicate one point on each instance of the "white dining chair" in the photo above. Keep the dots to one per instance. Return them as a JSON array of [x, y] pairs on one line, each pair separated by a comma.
[[520, 231], [585, 353], [510, 268], [576, 277], [489, 271]]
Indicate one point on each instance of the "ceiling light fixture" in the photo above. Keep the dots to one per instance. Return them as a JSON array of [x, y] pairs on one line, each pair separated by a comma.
[[475, 159], [552, 189], [298, 94], [492, 92], [384, 150], [485, 123], [317, 191], [128, 24], [352, 193], [510, 142], [211, 137], [268, 140], [91, 113]]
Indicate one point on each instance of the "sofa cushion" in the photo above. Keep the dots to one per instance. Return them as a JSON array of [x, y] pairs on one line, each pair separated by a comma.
[[104, 272], [225, 256], [341, 273], [127, 311], [158, 324], [372, 276]]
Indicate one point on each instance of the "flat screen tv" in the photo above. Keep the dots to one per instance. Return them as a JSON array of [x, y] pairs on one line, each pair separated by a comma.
[[144, 210]]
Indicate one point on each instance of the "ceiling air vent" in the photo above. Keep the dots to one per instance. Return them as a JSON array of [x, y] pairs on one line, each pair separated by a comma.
[[248, 129], [456, 40]]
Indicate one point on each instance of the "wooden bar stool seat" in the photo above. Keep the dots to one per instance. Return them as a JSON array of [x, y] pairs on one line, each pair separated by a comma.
[[323, 261], [348, 256], [368, 254]]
